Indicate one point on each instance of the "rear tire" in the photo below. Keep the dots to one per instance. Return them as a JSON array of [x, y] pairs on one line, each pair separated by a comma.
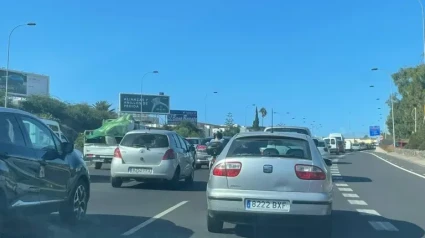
[[98, 165], [214, 225], [116, 182], [174, 182], [189, 180], [74, 209]]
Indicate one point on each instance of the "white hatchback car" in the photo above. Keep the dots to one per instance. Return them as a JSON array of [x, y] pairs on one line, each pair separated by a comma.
[[145, 155]]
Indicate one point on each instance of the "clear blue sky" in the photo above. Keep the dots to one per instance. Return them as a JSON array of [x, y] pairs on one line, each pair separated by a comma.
[[309, 58]]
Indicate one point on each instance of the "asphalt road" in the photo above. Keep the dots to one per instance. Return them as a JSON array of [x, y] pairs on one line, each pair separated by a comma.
[[373, 199]]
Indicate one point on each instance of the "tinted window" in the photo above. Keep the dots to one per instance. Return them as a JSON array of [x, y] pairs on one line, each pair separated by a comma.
[[296, 130], [265, 146], [321, 144], [333, 141], [193, 141], [327, 141], [54, 128], [10, 133], [145, 140], [39, 134], [355, 144], [316, 142]]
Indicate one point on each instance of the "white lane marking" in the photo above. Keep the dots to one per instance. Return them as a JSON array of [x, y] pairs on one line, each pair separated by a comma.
[[357, 202], [341, 185], [368, 212], [336, 174], [345, 189], [393, 164], [334, 170], [157, 216], [350, 195], [383, 226]]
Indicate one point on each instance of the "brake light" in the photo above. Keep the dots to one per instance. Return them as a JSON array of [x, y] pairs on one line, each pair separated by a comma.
[[89, 155], [169, 154], [227, 169], [309, 172], [117, 153], [201, 147]]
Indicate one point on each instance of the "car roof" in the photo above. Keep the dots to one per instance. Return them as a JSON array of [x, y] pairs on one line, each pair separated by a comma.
[[150, 131], [277, 134], [17, 111]]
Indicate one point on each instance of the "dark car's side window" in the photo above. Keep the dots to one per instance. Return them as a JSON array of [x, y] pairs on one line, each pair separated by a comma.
[[10, 133], [39, 135]]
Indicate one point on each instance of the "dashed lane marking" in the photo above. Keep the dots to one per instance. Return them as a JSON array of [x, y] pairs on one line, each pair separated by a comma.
[[345, 189], [357, 202], [350, 195], [341, 185], [156, 217], [336, 174], [393, 164], [368, 212], [383, 226]]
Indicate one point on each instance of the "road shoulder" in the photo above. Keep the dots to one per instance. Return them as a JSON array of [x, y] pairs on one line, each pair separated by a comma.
[[411, 165]]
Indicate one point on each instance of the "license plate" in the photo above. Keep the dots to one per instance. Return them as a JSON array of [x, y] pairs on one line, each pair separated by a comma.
[[267, 205], [140, 170]]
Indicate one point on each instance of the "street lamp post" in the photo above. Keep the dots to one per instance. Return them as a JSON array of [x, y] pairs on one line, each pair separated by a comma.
[[8, 57], [141, 91], [205, 101], [246, 108], [423, 29], [273, 112], [392, 108]]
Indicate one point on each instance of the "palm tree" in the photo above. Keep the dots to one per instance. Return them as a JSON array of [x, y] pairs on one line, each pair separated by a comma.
[[263, 112], [103, 106]]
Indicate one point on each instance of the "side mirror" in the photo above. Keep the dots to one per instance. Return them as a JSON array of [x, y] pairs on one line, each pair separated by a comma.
[[67, 147], [328, 162], [192, 148]]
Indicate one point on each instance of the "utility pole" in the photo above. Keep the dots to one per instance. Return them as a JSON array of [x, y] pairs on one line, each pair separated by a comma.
[[272, 120], [415, 120]]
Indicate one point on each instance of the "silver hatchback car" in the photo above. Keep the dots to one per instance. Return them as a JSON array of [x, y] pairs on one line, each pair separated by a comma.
[[145, 155], [270, 177]]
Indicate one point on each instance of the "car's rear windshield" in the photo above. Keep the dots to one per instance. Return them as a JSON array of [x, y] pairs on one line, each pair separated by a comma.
[[138, 140], [327, 141], [269, 146], [321, 144], [193, 141], [355, 144], [296, 130], [333, 141]]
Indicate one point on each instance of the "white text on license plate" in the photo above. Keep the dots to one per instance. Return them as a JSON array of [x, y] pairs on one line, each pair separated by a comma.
[[267, 205], [140, 170]]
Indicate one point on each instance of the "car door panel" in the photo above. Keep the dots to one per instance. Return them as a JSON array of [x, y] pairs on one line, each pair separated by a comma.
[[54, 169], [19, 168]]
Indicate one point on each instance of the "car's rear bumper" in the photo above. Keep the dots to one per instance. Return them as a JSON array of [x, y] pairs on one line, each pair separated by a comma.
[[301, 204], [165, 170]]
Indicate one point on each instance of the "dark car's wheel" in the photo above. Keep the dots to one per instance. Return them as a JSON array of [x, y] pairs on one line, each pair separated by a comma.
[[98, 165], [74, 209], [214, 225], [189, 179], [116, 182]]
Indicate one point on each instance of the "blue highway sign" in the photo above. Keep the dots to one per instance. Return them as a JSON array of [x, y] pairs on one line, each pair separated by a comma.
[[374, 131]]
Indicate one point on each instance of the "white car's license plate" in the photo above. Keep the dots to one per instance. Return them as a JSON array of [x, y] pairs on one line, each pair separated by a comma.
[[267, 205], [140, 170]]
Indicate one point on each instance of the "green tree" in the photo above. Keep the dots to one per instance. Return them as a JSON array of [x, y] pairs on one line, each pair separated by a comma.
[[256, 122], [263, 112], [231, 128], [188, 129], [366, 137]]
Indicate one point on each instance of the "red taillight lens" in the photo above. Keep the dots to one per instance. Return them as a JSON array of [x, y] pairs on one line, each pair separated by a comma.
[[89, 155], [117, 153], [227, 169], [309, 172], [169, 154], [201, 147]]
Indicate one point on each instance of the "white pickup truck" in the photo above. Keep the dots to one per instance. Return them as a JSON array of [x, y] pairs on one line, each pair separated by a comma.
[[101, 149]]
